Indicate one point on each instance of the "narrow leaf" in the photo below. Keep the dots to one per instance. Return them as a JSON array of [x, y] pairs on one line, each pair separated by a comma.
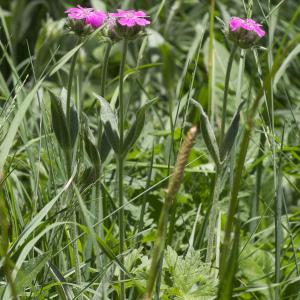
[[59, 123], [208, 135], [105, 147], [231, 133], [9, 139], [137, 127], [30, 270], [73, 125], [91, 148], [227, 279], [109, 121]]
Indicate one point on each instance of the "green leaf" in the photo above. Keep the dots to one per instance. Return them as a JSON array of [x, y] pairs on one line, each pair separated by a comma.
[[227, 279], [91, 148], [109, 121], [59, 123], [231, 133], [30, 270], [73, 125], [12, 131], [137, 127], [208, 135], [105, 147]]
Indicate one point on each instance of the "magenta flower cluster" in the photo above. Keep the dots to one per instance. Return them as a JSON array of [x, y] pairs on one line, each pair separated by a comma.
[[96, 18], [236, 23]]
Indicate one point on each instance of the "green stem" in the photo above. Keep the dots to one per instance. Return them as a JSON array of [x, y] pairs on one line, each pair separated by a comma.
[[104, 68], [226, 88], [69, 154], [120, 169], [213, 216], [234, 199], [75, 248], [70, 82], [211, 61], [158, 247], [99, 200]]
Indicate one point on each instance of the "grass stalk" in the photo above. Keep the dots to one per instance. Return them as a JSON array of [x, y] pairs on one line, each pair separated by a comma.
[[173, 188]]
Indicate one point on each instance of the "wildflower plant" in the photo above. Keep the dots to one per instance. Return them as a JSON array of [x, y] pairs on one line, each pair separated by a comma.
[[123, 25]]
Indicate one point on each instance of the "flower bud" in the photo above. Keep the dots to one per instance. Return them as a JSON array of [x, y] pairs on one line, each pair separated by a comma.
[[78, 27]]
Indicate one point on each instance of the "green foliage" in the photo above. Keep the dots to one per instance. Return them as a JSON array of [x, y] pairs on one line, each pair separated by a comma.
[[189, 278]]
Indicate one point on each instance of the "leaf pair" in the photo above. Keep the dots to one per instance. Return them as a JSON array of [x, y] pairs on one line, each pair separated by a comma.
[[65, 133], [96, 150], [109, 121], [219, 154]]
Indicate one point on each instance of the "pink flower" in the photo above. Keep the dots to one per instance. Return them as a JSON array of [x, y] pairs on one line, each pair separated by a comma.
[[94, 18], [130, 18], [78, 13], [236, 23]]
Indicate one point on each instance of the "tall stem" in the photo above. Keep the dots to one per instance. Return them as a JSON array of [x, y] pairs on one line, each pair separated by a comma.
[[104, 68], [211, 89], [226, 88], [213, 216], [70, 82], [69, 154], [120, 169]]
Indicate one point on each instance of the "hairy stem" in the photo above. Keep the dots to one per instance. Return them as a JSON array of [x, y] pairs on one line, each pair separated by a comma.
[[213, 216], [120, 169], [70, 82], [226, 88]]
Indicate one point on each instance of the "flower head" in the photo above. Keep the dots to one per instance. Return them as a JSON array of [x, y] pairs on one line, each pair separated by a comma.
[[245, 32], [131, 18], [96, 18], [78, 13], [126, 24], [81, 20]]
